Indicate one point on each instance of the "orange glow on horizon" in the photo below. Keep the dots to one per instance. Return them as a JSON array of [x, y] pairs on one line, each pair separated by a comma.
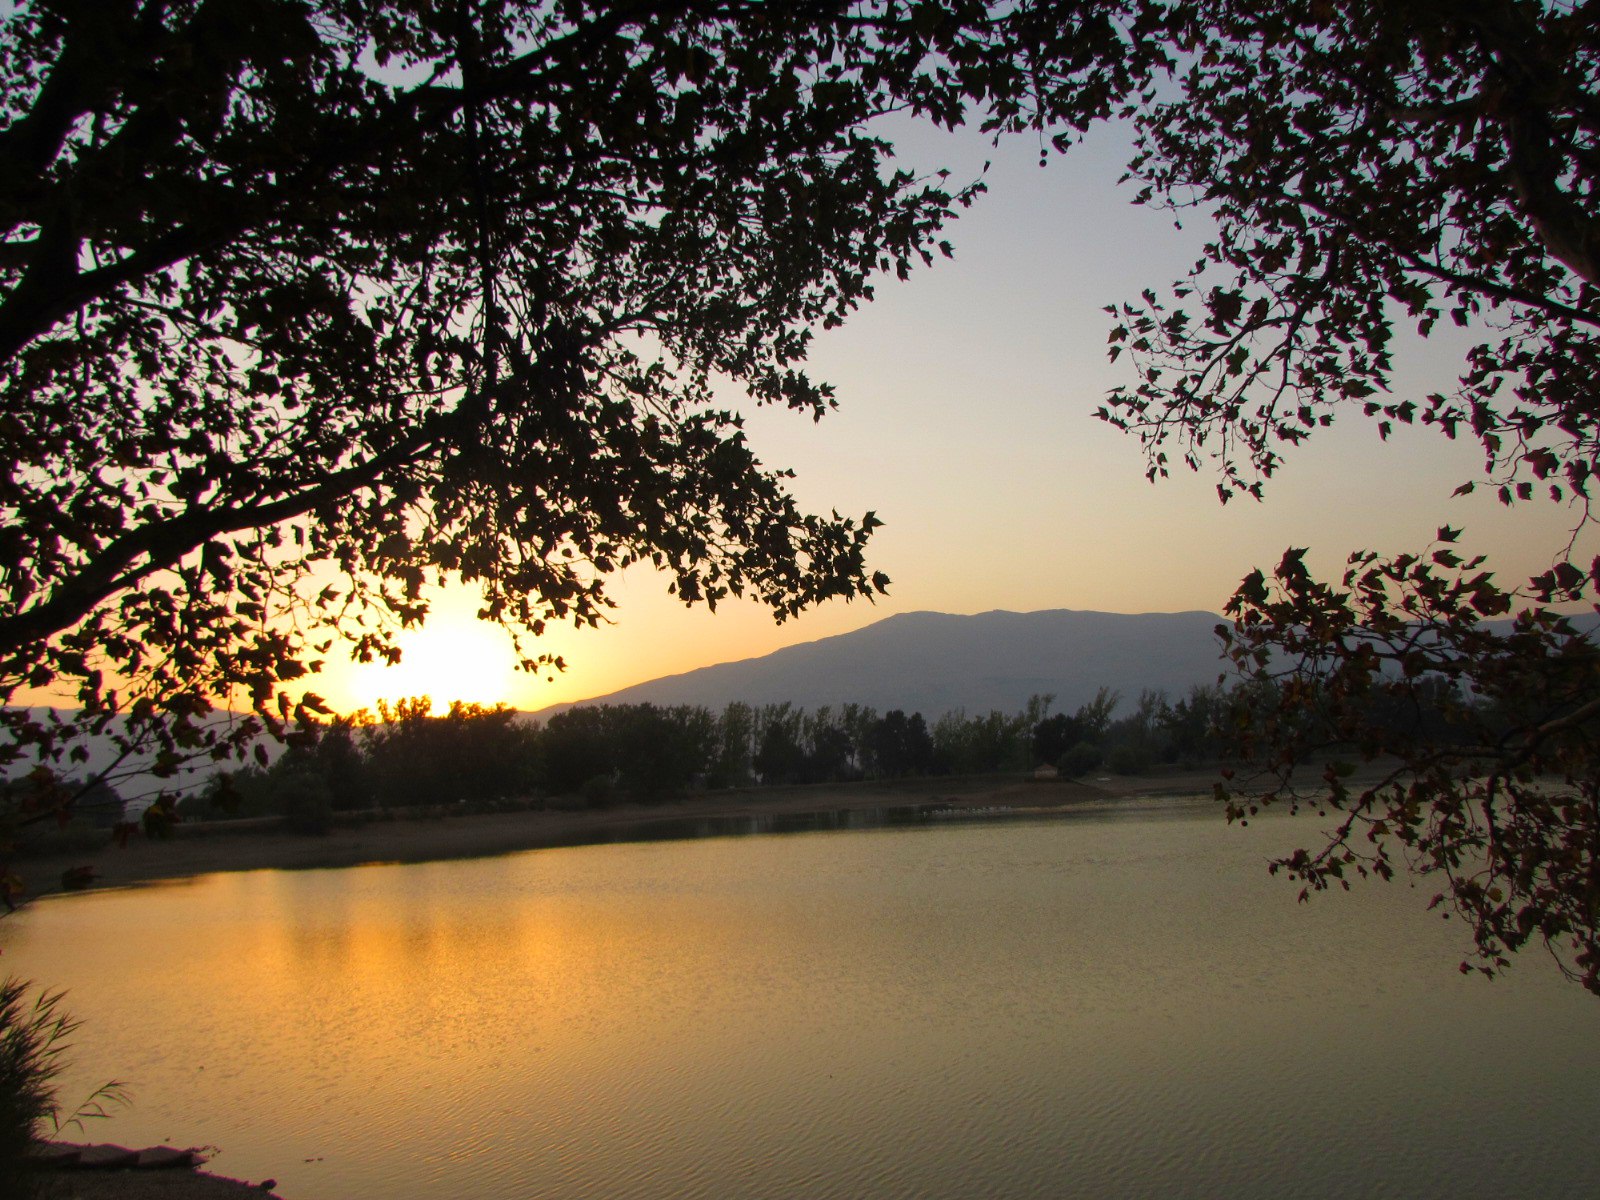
[[453, 657]]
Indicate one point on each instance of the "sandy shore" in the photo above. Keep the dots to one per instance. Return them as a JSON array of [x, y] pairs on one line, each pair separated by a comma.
[[200, 850]]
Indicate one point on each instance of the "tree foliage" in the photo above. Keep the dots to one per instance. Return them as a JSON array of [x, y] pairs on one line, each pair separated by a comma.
[[1371, 166], [304, 306]]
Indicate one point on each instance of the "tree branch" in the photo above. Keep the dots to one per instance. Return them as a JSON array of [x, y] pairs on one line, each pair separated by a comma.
[[161, 545], [1471, 283]]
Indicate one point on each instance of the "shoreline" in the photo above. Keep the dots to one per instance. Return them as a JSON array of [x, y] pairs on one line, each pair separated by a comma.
[[218, 847]]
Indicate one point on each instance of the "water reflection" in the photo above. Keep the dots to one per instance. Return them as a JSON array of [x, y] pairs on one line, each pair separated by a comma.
[[1094, 1007], [670, 829]]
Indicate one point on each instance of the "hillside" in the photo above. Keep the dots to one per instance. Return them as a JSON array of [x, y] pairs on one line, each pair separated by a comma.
[[935, 662]]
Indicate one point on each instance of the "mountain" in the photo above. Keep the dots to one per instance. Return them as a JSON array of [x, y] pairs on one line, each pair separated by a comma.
[[935, 662]]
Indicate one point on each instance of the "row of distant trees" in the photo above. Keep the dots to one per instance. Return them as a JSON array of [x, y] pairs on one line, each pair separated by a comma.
[[408, 755]]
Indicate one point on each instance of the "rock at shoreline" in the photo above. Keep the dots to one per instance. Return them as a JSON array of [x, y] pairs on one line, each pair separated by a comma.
[[109, 1172], [131, 1183]]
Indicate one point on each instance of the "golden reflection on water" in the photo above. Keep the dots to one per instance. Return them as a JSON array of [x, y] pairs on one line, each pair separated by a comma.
[[1068, 1008]]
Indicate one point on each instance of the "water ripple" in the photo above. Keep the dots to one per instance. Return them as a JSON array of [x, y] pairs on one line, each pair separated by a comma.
[[1125, 1007]]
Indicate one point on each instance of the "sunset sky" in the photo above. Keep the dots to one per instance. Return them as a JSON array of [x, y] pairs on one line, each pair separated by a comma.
[[966, 422]]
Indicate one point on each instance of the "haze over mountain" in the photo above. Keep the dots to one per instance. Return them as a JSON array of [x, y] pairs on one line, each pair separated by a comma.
[[935, 662], [102, 754]]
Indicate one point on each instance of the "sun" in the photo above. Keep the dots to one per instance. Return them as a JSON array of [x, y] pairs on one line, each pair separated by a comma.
[[451, 658]]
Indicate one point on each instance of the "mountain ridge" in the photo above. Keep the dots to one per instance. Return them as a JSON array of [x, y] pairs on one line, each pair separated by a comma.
[[936, 662]]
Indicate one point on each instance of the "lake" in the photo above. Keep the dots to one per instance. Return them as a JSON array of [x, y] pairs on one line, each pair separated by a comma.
[[1096, 1006]]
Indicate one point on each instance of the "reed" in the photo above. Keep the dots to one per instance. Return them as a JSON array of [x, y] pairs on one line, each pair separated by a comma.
[[35, 1037]]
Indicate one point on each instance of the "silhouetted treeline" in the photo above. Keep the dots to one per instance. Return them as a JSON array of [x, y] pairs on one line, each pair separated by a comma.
[[408, 756]]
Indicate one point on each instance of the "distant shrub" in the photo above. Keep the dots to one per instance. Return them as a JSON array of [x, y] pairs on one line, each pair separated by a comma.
[[598, 790], [306, 802], [1079, 760], [1127, 760]]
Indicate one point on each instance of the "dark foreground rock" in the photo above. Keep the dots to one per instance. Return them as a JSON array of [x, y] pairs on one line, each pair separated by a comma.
[[69, 1171]]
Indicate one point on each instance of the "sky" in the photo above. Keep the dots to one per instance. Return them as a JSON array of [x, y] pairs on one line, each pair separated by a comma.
[[966, 423]]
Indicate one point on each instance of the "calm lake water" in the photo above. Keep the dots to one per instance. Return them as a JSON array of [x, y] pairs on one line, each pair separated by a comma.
[[1104, 1006]]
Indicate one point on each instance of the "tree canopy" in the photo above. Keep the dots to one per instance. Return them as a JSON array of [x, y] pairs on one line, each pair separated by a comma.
[[1370, 166], [306, 305]]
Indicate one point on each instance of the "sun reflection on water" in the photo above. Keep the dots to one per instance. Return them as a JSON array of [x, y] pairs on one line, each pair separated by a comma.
[[1078, 1008]]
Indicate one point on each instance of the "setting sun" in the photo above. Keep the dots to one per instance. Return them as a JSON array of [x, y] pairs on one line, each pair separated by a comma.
[[453, 657]]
